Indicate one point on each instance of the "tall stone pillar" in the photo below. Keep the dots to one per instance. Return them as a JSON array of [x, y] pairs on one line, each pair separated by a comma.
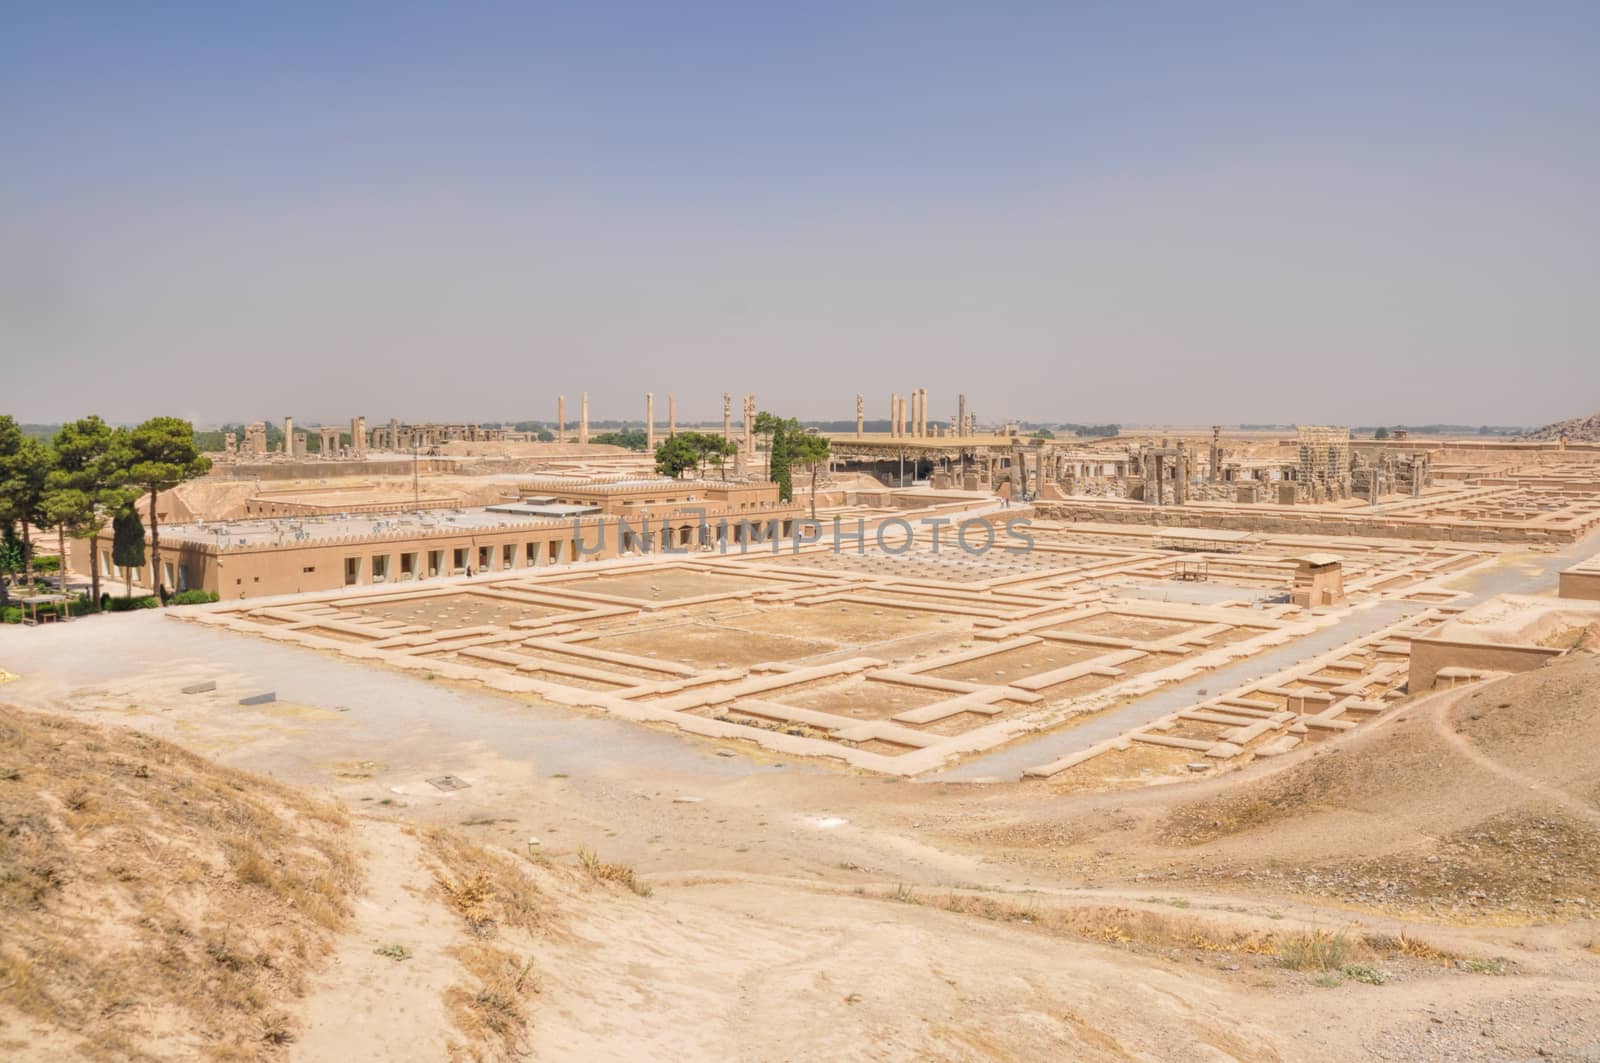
[[894, 414], [727, 416], [1216, 454], [561, 418], [358, 437], [288, 437], [861, 414], [922, 421], [650, 422], [961, 414], [583, 421], [672, 414], [1180, 482]]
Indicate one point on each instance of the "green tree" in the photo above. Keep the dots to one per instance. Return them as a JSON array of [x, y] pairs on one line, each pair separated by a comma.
[[10, 552], [67, 510], [164, 456], [127, 544], [630, 438], [25, 464], [10, 442], [767, 428], [778, 461], [93, 459], [714, 449], [676, 454], [804, 448], [1381, 433]]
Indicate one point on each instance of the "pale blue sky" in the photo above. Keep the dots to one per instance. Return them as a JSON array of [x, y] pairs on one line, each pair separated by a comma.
[[1175, 212]]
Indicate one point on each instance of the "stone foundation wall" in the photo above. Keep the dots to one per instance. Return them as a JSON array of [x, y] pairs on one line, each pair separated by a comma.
[[1300, 523]]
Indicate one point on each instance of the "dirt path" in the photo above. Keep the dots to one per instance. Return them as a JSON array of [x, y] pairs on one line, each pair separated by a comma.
[[1440, 714], [365, 1005]]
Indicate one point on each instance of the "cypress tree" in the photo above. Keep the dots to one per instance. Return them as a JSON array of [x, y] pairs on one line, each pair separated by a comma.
[[780, 463]]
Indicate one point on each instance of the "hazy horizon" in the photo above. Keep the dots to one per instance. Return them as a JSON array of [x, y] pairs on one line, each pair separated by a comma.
[[1164, 214]]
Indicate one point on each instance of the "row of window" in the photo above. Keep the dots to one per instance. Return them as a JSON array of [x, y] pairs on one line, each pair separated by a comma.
[[382, 568], [176, 577]]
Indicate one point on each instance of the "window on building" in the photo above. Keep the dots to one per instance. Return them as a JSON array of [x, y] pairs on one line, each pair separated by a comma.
[[352, 571], [380, 568]]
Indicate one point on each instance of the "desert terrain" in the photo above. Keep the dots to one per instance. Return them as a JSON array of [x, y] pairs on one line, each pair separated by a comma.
[[596, 887]]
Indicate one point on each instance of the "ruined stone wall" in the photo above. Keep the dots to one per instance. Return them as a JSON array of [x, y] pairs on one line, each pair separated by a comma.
[[1303, 522]]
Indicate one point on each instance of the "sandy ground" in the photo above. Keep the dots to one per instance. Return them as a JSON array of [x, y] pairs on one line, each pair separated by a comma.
[[804, 912]]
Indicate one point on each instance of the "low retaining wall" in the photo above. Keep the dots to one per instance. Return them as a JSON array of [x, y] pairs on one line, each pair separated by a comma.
[[1309, 522], [1428, 656]]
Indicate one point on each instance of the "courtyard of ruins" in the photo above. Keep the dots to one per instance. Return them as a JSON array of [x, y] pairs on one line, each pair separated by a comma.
[[899, 662]]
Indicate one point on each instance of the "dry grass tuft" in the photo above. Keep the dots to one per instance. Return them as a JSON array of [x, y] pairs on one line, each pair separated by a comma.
[[604, 872], [1111, 926], [1318, 950], [1334, 953], [1410, 947], [144, 889], [495, 897]]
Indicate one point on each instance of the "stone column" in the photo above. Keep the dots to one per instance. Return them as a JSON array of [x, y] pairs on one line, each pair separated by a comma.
[[922, 422], [750, 424], [650, 422], [861, 414], [583, 421], [727, 416], [1180, 483], [288, 437], [961, 414], [1216, 454], [672, 414], [894, 413], [561, 418]]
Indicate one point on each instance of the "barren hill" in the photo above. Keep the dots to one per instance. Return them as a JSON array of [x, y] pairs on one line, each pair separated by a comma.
[[1465, 805], [156, 905], [1576, 429]]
